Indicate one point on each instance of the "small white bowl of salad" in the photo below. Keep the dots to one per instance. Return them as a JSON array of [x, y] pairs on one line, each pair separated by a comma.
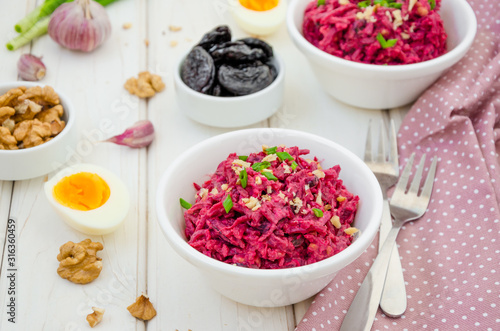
[[380, 54], [273, 214]]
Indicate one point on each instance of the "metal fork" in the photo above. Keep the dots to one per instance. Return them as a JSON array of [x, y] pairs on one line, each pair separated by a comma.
[[386, 169], [404, 207]]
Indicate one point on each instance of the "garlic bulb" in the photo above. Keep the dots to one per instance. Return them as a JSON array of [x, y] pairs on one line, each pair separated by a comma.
[[30, 67], [80, 25]]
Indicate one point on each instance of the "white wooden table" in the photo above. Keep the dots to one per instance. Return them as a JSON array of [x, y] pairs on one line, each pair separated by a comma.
[[136, 257]]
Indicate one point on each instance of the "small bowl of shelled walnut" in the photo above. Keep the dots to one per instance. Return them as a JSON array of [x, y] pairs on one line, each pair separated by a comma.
[[37, 130]]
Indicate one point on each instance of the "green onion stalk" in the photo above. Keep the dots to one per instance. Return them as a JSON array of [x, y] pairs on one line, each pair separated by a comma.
[[39, 29], [41, 11], [36, 23]]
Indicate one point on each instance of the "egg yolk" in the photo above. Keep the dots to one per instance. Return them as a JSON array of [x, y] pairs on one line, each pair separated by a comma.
[[82, 191], [259, 5]]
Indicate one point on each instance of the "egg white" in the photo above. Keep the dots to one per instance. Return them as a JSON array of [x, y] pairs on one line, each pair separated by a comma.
[[99, 221], [259, 23]]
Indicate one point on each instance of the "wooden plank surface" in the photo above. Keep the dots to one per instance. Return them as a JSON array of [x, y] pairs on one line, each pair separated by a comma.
[[94, 82], [136, 257]]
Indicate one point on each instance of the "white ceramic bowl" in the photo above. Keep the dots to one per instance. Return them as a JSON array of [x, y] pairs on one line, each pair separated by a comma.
[[265, 288], [380, 87], [39, 160], [230, 112]]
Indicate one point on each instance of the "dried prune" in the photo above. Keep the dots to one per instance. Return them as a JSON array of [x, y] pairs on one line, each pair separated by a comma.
[[221, 67], [273, 69], [260, 44], [224, 45], [220, 34], [246, 80], [220, 91], [237, 52], [198, 70]]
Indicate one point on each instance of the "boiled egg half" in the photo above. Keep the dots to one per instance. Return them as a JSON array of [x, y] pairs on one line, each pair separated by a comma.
[[258, 17], [89, 198]]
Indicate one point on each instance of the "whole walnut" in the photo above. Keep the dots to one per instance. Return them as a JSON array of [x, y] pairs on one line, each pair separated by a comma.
[[78, 262]]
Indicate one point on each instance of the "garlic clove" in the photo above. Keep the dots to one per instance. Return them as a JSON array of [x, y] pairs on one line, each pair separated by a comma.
[[141, 134], [30, 67]]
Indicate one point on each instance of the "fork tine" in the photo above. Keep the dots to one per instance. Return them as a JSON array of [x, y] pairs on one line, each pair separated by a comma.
[[403, 180], [368, 144], [415, 184], [429, 181], [381, 142], [393, 156]]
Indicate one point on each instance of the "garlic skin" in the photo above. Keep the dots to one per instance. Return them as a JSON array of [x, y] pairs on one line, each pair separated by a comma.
[[141, 134], [80, 25], [30, 67]]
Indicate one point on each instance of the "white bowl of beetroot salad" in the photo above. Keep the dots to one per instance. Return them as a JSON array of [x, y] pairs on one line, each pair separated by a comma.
[[268, 216], [380, 54]]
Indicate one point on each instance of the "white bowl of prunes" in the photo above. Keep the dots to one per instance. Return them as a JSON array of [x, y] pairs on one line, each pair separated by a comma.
[[229, 83]]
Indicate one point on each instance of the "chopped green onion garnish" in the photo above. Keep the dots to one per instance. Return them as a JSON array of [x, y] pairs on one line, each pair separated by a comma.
[[259, 166], [294, 165], [271, 150], [391, 42], [185, 204], [269, 175], [432, 3], [383, 3], [318, 212], [228, 203], [321, 2], [243, 178], [363, 4], [385, 43], [243, 157], [284, 156], [396, 5]]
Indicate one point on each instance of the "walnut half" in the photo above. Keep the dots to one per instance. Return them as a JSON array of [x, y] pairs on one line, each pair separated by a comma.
[[32, 133], [78, 262], [7, 141], [146, 86], [142, 308]]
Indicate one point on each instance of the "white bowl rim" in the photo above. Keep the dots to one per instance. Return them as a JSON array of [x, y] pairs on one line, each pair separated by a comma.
[[440, 61], [69, 123], [344, 257], [212, 98]]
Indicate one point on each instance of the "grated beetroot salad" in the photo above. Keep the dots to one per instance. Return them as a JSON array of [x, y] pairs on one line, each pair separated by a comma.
[[376, 31], [272, 209]]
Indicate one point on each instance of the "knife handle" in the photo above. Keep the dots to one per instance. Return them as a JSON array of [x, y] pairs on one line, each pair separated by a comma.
[[364, 307]]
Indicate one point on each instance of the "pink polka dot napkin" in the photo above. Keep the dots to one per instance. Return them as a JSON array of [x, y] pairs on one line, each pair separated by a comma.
[[451, 256]]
